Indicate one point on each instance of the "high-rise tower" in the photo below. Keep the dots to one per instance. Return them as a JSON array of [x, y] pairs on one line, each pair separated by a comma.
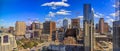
[[116, 28], [65, 24], [20, 28], [48, 28], [101, 25], [88, 28]]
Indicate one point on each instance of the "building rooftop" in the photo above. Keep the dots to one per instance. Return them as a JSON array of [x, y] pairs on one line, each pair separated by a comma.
[[2, 34]]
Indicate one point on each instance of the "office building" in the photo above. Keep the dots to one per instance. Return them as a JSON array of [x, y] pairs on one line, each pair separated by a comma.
[[60, 36], [65, 24], [88, 28], [7, 42], [20, 28], [106, 28], [116, 28], [116, 36], [37, 30], [36, 26], [101, 25], [48, 28], [75, 23]]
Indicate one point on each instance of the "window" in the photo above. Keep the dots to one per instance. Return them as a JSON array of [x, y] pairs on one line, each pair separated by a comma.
[[5, 39], [0, 39], [36, 33], [37, 26]]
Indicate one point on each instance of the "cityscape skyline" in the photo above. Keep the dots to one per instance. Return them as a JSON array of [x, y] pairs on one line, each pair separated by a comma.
[[13, 11], [59, 25]]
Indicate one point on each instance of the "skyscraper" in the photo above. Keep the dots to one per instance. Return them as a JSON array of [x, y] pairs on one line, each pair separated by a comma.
[[20, 28], [101, 25], [116, 35], [88, 28], [116, 28], [48, 28], [65, 24]]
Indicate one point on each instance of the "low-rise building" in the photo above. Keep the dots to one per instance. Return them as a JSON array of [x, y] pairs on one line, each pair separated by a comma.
[[7, 42]]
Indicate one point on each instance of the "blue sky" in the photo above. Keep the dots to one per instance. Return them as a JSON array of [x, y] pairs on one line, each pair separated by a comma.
[[20, 10]]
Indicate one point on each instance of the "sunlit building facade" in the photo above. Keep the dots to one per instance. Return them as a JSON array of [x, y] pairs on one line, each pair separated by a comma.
[[7, 42], [20, 28], [48, 28], [88, 28]]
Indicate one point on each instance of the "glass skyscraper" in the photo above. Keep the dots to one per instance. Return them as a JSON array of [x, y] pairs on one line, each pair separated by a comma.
[[116, 28], [88, 28]]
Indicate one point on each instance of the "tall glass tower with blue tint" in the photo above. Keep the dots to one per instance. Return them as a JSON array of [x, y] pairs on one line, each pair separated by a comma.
[[116, 28], [88, 28]]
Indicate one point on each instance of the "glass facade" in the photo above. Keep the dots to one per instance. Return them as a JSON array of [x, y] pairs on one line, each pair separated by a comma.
[[88, 14], [117, 10]]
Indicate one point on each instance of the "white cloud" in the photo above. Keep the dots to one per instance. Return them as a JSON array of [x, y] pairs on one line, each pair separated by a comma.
[[54, 5], [31, 20], [81, 17], [98, 15], [29, 23], [47, 19], [110, 20], [114, 6], [63, 12], [64, 0], [51, 14], [60, 12], [107, 17], [113, 14]]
